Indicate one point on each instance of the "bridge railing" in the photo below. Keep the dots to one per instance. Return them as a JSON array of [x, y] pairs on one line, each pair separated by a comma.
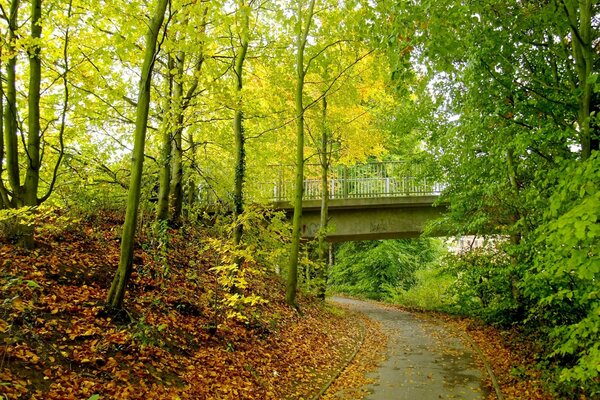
[[369, 180]]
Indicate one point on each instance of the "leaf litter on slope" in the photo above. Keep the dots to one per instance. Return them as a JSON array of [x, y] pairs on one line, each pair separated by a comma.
[[58, 342]]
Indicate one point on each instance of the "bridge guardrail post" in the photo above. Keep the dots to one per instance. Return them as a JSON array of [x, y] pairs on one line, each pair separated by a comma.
[[345, 182]]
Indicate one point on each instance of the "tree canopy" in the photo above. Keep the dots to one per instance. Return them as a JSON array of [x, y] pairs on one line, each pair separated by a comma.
[[171, 109]]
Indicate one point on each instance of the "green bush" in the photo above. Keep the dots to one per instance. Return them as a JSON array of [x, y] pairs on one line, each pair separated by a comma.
[[430, 291], [485, 286], [380, 269], [564, 282]]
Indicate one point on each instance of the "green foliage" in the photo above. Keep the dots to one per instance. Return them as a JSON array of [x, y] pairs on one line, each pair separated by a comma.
[[430, 292], [147, 334], [49, 221], [310, 269], [510, 135], [484, 285], [13, 219], [565, 279], [266, 233], [379, 269], [159, 244]]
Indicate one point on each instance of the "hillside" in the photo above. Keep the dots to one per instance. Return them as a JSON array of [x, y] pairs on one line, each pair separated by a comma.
[[174, 339]]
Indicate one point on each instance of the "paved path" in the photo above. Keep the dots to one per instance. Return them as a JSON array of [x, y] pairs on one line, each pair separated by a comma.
[[423, 361]]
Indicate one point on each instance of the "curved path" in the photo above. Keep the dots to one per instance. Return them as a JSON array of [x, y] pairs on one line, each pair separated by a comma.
[[424, 360]]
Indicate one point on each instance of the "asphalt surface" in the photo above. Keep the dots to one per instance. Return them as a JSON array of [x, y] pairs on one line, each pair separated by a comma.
[[424, 360]]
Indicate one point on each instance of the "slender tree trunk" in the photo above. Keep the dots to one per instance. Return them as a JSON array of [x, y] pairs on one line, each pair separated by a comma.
[[292, 283], [32, 175], [583, 53], [10, 114], [119, 284], [4, 202], [171, 179], [176, 191], [192, 186], [192, 192], [164, 179], [26, 194], [323, 227], [238, 127]]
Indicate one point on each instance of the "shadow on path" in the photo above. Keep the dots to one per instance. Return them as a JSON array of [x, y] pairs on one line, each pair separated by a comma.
[[424, 360]]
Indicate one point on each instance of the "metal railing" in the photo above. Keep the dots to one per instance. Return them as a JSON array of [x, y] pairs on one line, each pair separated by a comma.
[[370, 180]]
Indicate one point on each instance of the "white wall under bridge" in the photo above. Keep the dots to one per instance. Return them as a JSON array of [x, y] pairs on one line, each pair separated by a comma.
[[369, 218]]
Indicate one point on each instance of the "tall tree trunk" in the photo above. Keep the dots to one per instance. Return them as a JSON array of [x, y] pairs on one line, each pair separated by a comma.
[[323, 245], [238, 126], [4, 202], [26, 194], [119, 284], [164, 179], [192, 186], [583, 53], [10, 114], [32, 176], [176, 191], [171, 177], [302, 34], [192, 192]]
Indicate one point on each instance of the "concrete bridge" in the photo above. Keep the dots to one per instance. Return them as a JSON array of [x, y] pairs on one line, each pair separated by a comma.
[[370, 201]]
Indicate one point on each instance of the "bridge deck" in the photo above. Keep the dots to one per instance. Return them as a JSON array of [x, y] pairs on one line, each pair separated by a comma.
[[362, 181], [367, 201], [362, 203]]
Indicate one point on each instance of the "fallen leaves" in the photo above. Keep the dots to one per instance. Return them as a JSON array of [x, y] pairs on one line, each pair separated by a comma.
[[351, 384], [58, 342]]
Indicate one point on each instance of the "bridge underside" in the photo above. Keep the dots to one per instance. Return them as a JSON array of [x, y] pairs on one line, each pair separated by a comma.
[[369, 219]]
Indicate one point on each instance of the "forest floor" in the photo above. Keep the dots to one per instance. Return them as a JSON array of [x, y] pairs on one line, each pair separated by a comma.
[[175, 339]]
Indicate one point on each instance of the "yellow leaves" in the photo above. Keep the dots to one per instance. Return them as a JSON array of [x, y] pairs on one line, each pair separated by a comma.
[[19, 305], [79, 332], [253, 300], [4, 326], [23, 352], [232, 314]]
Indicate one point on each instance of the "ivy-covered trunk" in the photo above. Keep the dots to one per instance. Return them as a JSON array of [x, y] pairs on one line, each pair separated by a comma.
[[192, 188], [164, 177], [10, 113], [323, 227], [238, 126], [176, 191]]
